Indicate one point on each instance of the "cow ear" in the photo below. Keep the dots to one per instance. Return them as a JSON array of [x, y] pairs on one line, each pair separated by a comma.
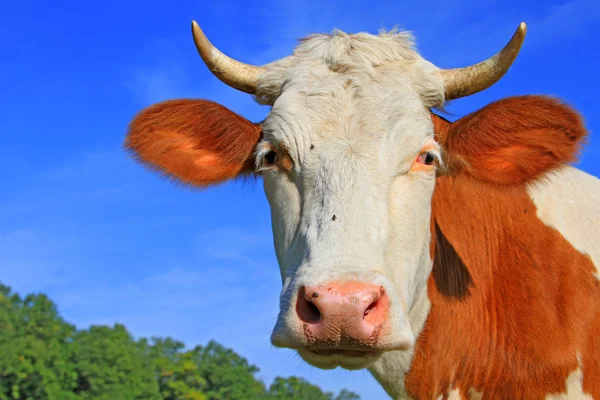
[[512, 140], [196, 142]]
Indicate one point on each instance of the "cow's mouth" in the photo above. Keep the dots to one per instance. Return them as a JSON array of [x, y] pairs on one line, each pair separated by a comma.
[[346, 353], [333, 358]]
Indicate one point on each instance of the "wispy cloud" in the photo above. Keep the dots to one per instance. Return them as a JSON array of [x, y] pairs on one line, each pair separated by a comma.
[[162, 75], [481, 29], [567, 20], [158, 83], [33, 260]]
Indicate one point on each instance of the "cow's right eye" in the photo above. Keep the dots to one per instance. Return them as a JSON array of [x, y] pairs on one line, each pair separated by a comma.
[[271, 158]]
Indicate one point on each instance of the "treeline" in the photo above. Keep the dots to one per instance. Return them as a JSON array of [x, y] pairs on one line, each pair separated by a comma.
[[43, 357]]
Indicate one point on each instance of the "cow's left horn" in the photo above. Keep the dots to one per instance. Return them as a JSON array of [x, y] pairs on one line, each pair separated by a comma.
[[462, 82], [236, 74]]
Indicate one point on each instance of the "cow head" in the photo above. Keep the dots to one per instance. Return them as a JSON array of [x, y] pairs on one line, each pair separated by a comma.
[[349, 155]]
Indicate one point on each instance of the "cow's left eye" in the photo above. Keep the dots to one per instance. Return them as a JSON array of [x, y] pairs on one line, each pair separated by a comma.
[[427, 158]]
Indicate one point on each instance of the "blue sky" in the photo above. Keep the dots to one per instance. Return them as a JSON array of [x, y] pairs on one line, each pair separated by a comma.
[[111, 242]]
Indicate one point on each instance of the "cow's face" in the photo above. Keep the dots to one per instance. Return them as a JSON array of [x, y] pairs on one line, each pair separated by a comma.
[[349, 164], [349, 160]]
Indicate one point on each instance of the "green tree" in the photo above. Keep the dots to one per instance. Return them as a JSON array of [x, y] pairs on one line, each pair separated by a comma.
[[296, 388], [228, 375], [112, 365], [34, 354], [178, 374], [346, 394]]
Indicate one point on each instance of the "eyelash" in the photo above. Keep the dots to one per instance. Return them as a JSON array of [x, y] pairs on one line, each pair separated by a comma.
[[267, 158]]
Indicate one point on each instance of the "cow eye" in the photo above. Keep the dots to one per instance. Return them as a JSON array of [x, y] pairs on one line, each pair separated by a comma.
[[427, 158], [271, 157]]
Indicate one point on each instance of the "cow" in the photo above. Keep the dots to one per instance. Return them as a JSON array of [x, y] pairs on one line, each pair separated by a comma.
[[452, 260]]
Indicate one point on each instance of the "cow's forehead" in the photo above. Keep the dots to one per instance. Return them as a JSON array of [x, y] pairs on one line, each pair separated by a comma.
[[345, 92], [350, 114]]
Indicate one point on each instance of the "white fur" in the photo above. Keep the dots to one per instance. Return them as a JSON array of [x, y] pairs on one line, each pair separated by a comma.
[[574, 389], [454, 394], [569, 201], [352, 112]]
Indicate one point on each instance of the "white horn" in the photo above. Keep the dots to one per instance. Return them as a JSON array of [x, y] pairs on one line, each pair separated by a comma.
[[238, 75], [462, 82]]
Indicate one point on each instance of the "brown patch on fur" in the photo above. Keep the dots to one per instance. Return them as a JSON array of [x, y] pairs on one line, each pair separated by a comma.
[[512, 140], [197, 142], [533, 306], [286, 161], [534, 302], [451, 276]]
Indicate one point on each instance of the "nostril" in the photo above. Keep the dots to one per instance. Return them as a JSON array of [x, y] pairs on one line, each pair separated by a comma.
[[368, 310], [376, 312], [307, 310], [313, 314]]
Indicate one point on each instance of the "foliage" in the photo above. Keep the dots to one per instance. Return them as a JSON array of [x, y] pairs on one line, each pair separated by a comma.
[[296, 388], [42, 357], [35, 352], [228, 375], [346, 394], [177, 373], [110, 365]]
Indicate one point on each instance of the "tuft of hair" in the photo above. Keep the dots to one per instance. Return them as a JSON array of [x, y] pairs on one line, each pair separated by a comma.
[[345, 53]]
